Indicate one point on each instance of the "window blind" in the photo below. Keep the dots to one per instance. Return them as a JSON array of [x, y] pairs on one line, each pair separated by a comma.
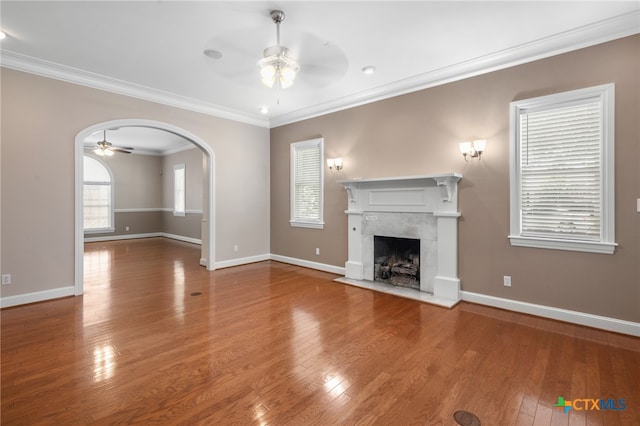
[[307, 183], [560, 167], [97, 206], [179, 184]]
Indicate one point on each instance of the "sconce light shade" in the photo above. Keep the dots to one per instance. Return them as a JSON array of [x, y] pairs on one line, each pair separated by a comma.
[[480, 145], [334, 163], [473, 149], [465, 147]]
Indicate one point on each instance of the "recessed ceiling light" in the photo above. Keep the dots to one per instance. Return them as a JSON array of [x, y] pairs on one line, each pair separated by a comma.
[[369, 69], [3, 35], [212, 53], [264, 110]]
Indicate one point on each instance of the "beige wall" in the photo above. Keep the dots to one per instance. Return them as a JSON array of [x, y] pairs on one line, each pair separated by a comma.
[[137, 180], [419, 133], [193, 160], [40, 120]]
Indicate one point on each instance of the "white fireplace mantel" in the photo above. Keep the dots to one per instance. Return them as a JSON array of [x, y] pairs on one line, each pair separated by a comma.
[[423, 207]]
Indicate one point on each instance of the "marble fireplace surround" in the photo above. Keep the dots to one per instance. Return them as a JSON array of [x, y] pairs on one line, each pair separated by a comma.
[[422, 207]]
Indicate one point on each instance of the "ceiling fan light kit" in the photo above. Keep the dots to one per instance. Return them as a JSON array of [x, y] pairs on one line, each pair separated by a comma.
[[106, 149], [277, 68]]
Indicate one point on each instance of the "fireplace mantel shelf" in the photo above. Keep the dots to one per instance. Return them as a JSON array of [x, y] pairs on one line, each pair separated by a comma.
[[446, 181], [436, 177]]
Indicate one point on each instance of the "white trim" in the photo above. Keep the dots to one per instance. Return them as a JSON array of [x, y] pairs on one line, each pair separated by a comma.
[[48, 69], [181, 167], [99, 230], [112, 191], [156, 209], [141, 210], [293, 149], [605, 94], [208, 172], [38, 296], [555, 244], [579, 38], [178, 149], [122, 237], [312, 225], [146, 235], [589, 35], [182, 238], [308, 264], [242, 261], [574, 317]]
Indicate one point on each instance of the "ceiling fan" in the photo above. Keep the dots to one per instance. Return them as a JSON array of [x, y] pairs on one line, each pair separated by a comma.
[[106, 149], [240, 56]]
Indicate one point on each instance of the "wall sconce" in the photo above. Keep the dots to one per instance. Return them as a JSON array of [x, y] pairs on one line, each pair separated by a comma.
[[473, 149], [334, 162]]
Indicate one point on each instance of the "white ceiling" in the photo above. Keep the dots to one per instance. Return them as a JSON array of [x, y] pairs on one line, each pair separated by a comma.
[[143, 140], [154, 49]]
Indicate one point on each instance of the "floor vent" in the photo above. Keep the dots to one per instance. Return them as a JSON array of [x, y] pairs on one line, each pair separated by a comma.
[[466, 418]]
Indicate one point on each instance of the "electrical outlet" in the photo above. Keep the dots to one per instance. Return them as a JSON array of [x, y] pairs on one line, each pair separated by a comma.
[[638, 206], [126, 228], [6, 279], [235, 248], [507, 281], [317, 251]]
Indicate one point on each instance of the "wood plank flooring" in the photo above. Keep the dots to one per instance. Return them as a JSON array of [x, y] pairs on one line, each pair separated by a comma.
[[274, 344]]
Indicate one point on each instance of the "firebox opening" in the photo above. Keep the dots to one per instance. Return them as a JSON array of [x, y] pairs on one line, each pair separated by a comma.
[[397, 261]]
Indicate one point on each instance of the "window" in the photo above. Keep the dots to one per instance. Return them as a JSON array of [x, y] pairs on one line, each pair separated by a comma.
[[562, 177], [179, 192], [98, 196], [306, 184]]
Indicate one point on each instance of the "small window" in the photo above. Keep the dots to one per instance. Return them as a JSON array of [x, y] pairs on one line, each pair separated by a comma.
[[97, 197], [179, 191], [562, 177], [307, 184]]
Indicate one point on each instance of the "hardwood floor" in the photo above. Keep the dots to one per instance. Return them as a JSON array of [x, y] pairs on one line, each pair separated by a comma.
[[272, 344]]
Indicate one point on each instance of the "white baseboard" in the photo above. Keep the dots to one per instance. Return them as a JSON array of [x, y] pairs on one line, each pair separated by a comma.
[[181, 238], [122, 237], [147, 235], [308, 264], [239, 261], [581, 318], [39, 296]]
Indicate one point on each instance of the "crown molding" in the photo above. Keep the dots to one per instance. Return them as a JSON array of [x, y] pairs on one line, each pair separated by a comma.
[[20, 62], [589, 35]]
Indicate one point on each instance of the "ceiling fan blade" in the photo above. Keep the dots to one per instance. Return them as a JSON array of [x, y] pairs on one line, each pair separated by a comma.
[[124, 151]]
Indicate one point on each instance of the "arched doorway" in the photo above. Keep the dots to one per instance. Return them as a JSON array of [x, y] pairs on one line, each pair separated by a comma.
[[208, 234]]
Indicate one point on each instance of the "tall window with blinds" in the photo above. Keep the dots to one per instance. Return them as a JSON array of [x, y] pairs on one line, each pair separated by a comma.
[[307, 183], [562, 171], [179, 190], [97, 197]]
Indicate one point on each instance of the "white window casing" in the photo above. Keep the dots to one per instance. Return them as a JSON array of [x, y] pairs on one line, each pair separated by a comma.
[[179, 190], [307, 184], [98, 197], [562, 171]]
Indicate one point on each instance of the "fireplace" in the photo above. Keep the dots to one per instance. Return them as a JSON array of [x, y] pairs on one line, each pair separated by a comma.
[[396, 261], [421, 209]]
